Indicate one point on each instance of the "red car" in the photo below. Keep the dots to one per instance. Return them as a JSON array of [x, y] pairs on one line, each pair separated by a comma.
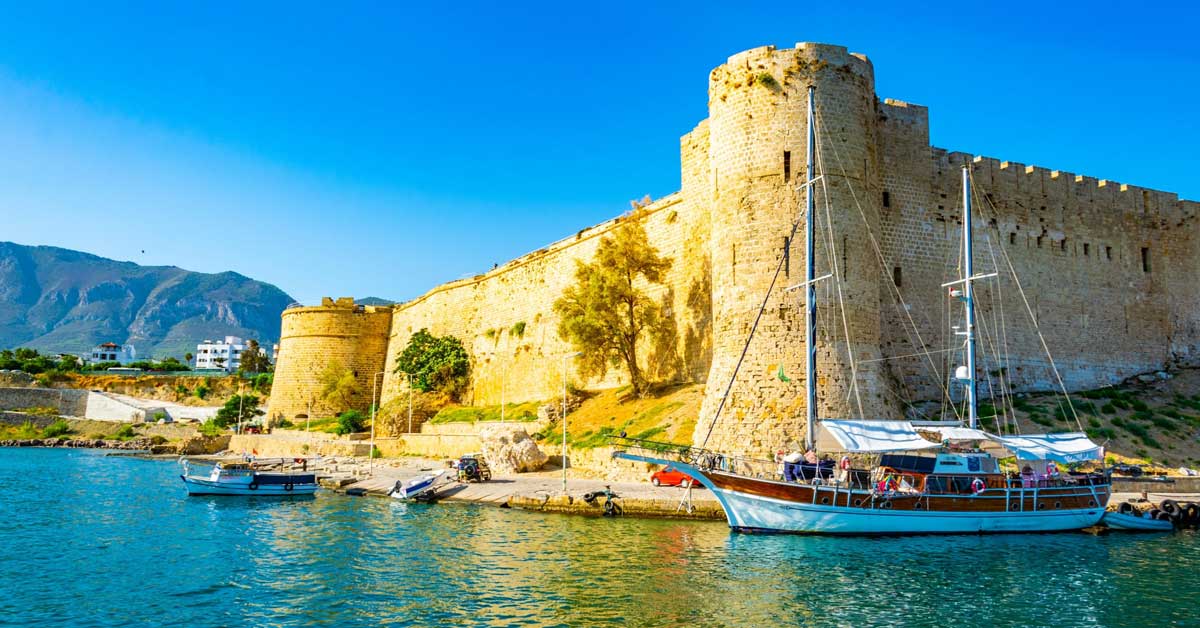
[[672, 477]]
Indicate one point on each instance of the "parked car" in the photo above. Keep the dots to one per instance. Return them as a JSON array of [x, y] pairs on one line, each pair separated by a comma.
[[671, 476]]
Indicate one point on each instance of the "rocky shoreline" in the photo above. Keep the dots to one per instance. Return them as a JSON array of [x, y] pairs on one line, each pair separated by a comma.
[[196, 445], [135, 444]]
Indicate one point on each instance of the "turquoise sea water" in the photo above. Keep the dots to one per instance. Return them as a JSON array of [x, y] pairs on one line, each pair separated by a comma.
[[91, 540]]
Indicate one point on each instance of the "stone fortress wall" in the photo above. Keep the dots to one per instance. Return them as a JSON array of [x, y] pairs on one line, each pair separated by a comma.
[[1107, 268]]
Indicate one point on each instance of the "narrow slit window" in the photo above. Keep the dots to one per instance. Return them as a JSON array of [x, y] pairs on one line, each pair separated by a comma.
[[1039, 242], [1145, 260], [897, 277], [1012, 238], [1063, 245], [887, 199], [1108, 253], [787, 165], [1086, 248]]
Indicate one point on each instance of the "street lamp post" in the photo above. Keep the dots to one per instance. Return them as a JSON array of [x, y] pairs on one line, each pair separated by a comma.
[[240, 395], [563, 416], [371, 455], [408, 378]]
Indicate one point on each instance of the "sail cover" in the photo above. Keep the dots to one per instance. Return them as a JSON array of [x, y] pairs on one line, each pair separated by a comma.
[[870, 436], [1064, 448]]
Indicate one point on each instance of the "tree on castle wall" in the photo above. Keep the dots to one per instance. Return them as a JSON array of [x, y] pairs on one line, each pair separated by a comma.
[[339, 387], [605, 314], [436, 364]]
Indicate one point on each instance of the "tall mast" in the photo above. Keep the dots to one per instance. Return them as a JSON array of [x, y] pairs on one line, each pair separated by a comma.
[[810, 286], [968, 297]]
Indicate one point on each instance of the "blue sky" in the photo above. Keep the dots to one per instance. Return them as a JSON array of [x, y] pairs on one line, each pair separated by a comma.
[[383, 148]]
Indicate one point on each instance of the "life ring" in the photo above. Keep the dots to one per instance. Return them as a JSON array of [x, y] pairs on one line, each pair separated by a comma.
[[977, 486], [844, 463], [253, 486], [288, 486], [1051, 468]]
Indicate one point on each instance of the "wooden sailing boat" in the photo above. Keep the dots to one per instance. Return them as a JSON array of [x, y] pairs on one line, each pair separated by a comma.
[[916, 486]]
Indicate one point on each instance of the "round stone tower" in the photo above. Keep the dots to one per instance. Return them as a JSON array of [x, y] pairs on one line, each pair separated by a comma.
[[757, 152], [337, 333]]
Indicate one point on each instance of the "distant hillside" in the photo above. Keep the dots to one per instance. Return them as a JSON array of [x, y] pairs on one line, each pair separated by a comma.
[[374, 301], [66, 301]]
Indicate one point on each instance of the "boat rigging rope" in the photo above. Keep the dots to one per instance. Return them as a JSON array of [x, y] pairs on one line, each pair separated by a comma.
[[838, 284], [902, 306], [746, 348], [1036, 327]]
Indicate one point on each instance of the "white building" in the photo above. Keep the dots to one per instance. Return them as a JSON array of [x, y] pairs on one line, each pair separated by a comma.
[[226, 355], [111, 352]]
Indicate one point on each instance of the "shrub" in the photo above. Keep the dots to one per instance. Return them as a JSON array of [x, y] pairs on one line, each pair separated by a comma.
[[375, 453], [181, 390], [56, 429], [1138, 404], [1120, 403], [201, 391], [284, 424], [1108, 408], [157, 439], [209, 428], [350, 422], [518, 329], [125, 433], [160, 416]]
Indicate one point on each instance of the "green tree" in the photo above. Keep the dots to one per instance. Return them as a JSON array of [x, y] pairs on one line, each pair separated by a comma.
[[435, 363], [229, 413], [254, 360], [605, 313], [187, 357], [339, 386]]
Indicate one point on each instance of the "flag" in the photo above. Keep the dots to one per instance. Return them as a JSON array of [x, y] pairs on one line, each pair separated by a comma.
[[783, 378]]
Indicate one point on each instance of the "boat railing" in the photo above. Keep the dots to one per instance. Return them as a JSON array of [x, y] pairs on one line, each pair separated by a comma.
[[704, 459]]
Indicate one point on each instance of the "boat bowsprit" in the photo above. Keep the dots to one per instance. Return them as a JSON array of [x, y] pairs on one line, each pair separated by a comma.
[[240, 478], [419, 487]]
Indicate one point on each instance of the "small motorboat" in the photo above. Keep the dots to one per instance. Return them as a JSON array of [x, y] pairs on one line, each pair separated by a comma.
[[241, 478], [418, 487], [1135, 523]]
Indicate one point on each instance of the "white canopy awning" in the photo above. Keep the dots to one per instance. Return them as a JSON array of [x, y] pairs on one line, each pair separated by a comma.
[[1064, 448], [870, 437]]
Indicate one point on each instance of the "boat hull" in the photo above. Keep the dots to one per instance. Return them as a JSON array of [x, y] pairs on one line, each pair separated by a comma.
[[1132, 523], [771, 506], [204, 486], [754, 513]]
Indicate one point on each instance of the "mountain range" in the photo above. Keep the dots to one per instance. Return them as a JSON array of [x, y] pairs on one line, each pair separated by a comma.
[[63, 301]]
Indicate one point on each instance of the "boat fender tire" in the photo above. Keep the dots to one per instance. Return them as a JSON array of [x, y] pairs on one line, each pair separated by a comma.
[[288, 486], [1171, 507], [1126, 508], [1162, 516], [253, 486], [885, 504], [1192, 512]]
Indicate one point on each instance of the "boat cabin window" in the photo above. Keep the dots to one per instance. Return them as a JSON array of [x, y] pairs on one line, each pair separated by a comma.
[[903, 462]]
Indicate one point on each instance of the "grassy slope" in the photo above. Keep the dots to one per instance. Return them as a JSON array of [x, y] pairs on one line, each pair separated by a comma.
[[1157, 422]]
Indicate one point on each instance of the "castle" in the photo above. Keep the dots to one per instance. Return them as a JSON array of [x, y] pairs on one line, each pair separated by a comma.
[[1107, 270]]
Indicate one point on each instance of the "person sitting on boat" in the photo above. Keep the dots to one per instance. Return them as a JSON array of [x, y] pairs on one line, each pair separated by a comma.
[[810, 457]]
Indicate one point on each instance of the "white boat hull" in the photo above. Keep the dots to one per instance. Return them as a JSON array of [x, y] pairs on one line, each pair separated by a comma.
[[753, 513], [418, 486], [204, 486]]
